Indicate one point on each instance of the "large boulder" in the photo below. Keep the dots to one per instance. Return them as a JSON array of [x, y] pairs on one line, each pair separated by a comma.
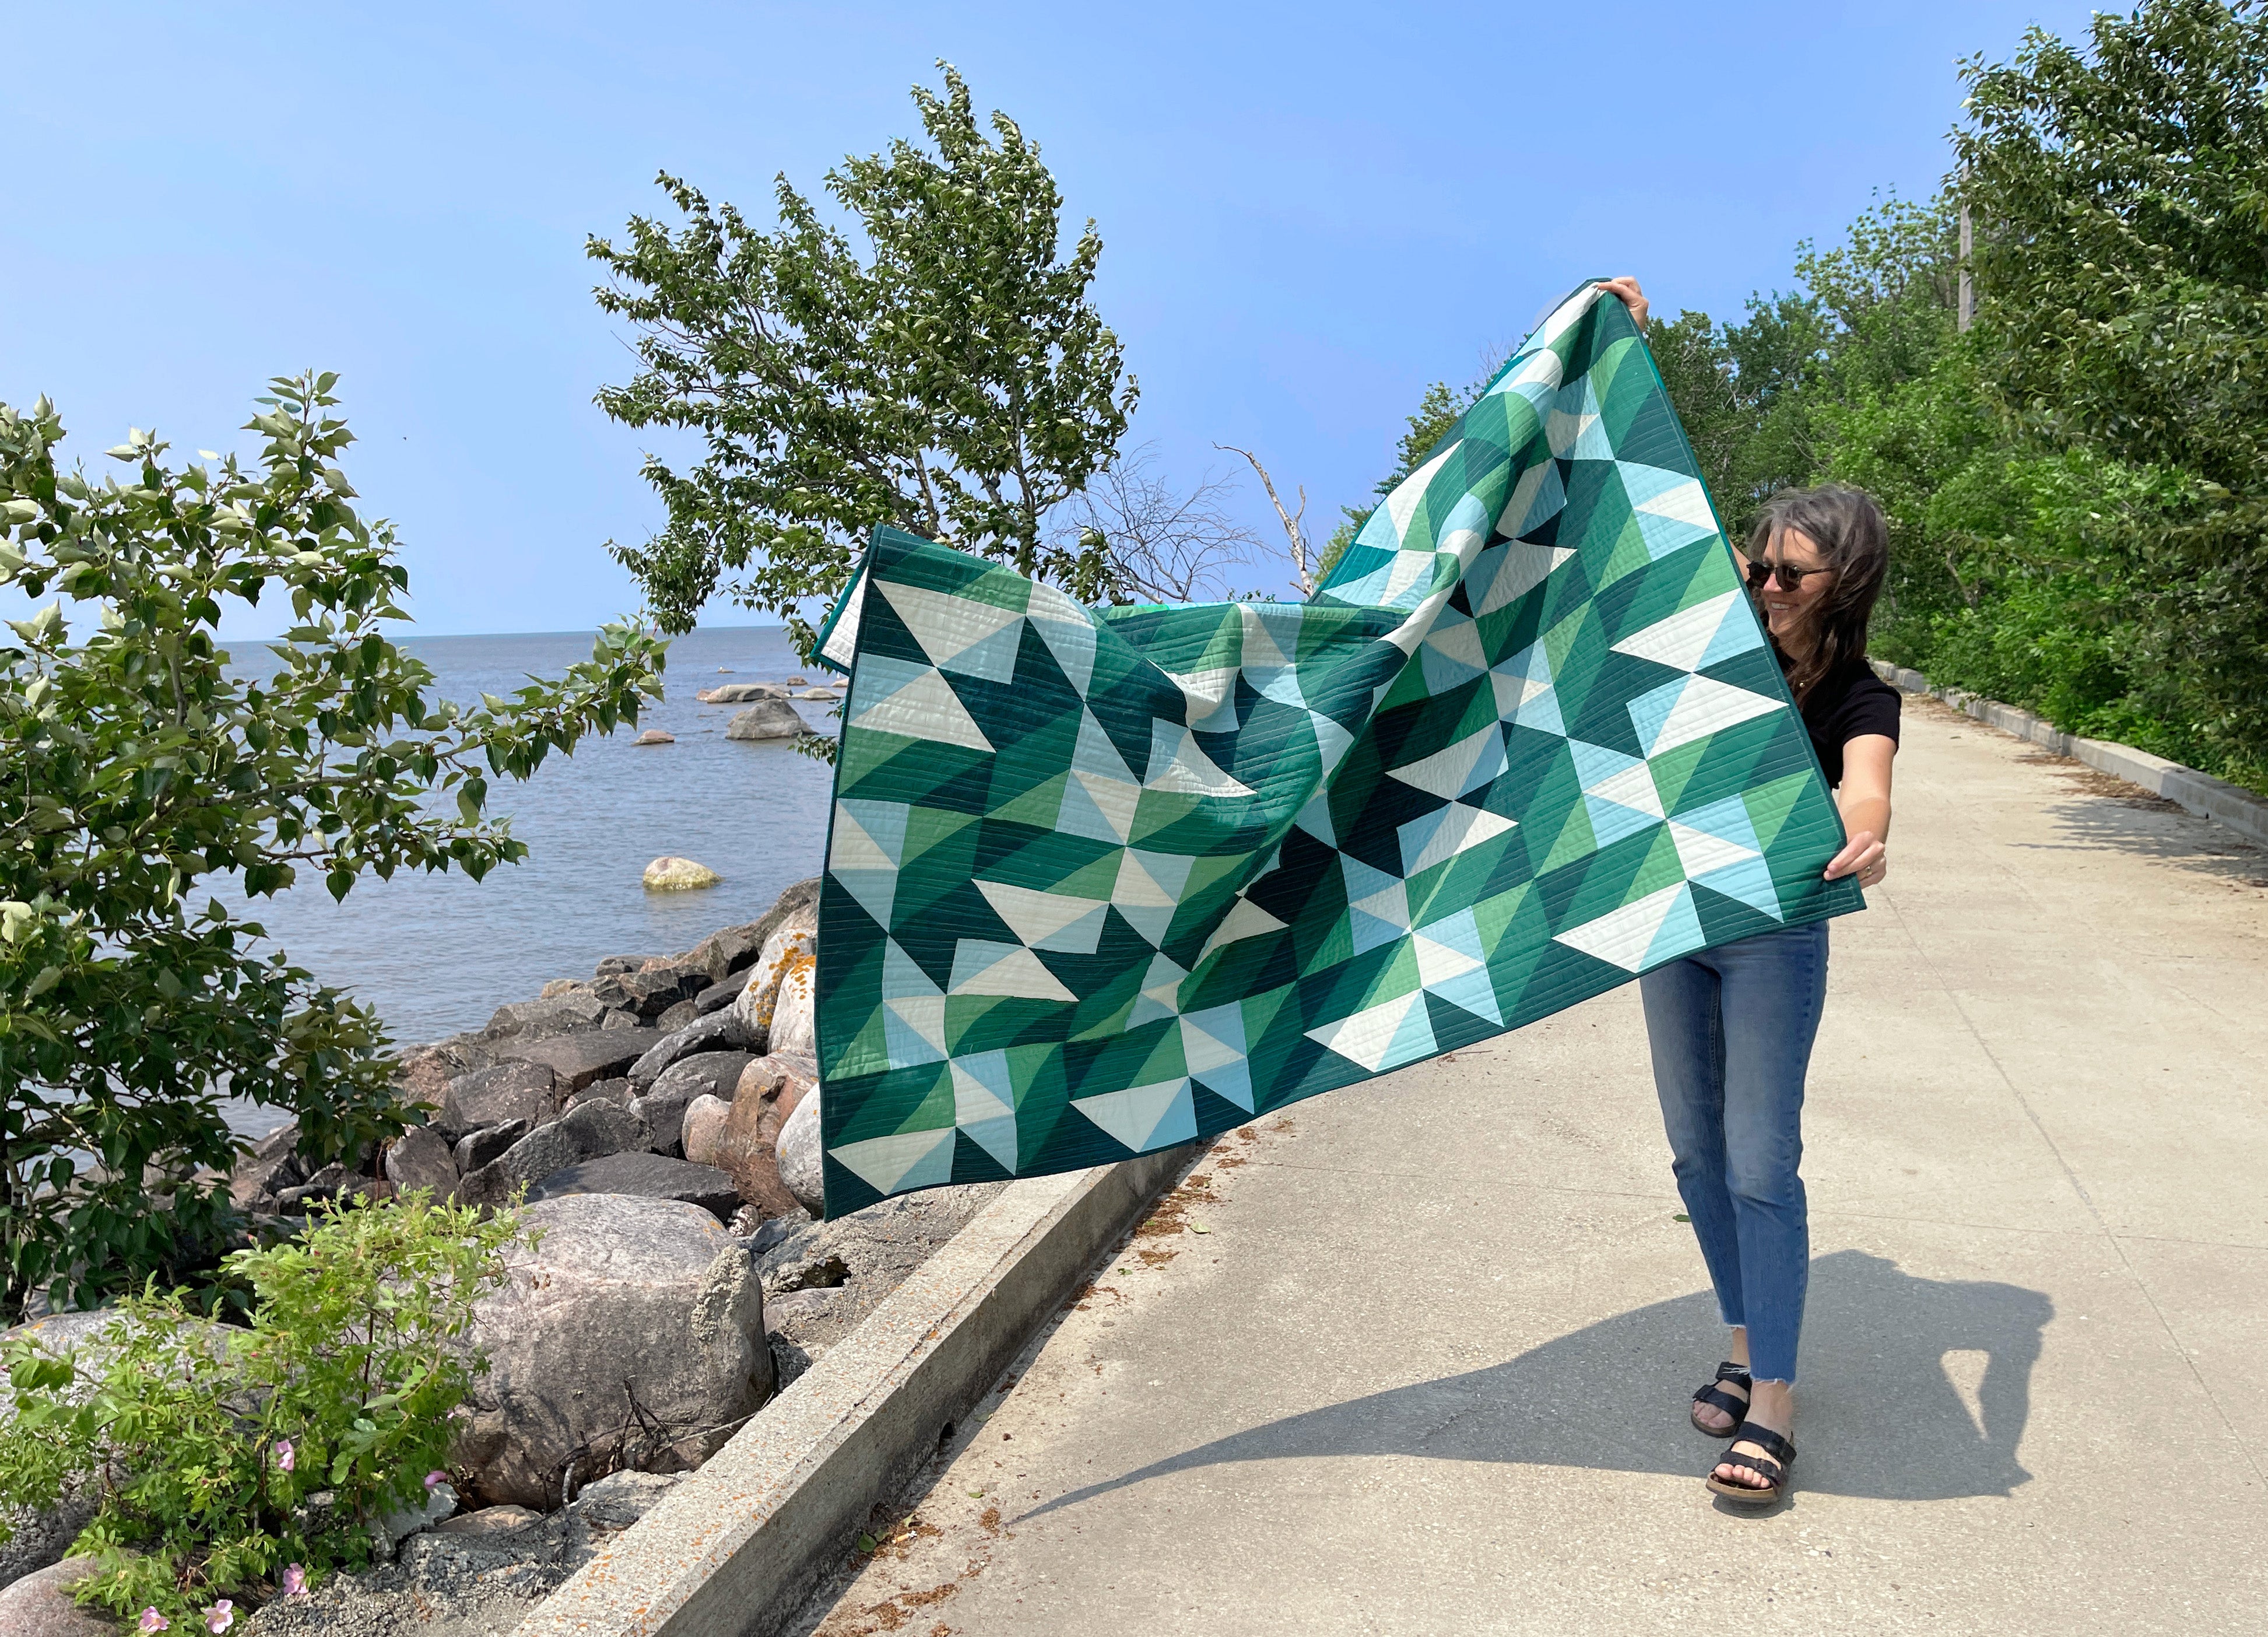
[[423, 1073], [670, 874], [483, 1145], [272, 1166], [726, 951], [717, 997], [705, 1074], [568, 1014], [702, 1137], [767, 719], [578, 1059], [727, 1033], [627, 1314], [651, 990], [492, 1096], [770, 1089], [794, 1029], [647, 1176], [797, 1155], [786, 954], [585, 1131], [741, 693], [420, 1158], [40, 1606]]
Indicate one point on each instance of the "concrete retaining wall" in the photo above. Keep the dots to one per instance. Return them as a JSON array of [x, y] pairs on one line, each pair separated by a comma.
[[2201, 793]]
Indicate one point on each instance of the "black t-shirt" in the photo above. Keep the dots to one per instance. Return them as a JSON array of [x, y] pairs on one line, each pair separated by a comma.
[[1848, 703]]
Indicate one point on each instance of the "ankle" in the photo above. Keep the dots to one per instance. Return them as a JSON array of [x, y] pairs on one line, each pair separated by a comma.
[[1773, 1403]]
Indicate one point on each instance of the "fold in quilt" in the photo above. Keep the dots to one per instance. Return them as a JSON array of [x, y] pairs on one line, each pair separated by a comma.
[[1100, 880]]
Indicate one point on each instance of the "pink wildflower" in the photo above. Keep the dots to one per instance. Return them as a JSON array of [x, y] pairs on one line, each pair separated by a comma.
[[221, 1616], [284, 1458], [152, 1622], [435, 1477], [295, 1581]]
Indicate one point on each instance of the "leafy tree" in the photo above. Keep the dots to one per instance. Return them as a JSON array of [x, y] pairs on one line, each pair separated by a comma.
[[950, 378], [136, 759], [2123, 261]]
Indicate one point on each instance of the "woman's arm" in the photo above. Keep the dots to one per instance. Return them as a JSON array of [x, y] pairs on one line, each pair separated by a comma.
[[1865, 799]]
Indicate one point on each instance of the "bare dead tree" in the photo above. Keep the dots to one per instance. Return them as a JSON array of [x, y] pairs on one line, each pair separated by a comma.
[[1295, 535], [1163, 544]]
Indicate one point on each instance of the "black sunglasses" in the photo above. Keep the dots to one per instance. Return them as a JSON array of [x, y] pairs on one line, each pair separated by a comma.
[[1791, 578]]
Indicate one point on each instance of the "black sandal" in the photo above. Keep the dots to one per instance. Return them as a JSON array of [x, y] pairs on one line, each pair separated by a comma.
[[1716, 1398], [1778, 1454]]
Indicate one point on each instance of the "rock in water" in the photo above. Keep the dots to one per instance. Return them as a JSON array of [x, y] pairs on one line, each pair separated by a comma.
[[739, 693], [767, 719], [655, 736], [623, 1302], [798, 1151], [679, 875]]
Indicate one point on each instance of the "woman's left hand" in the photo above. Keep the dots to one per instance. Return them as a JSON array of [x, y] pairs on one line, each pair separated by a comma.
[[1626, 288], [1863, 856]]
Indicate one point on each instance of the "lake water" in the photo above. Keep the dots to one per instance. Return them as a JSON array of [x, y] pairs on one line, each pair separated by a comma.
[[437, 954]]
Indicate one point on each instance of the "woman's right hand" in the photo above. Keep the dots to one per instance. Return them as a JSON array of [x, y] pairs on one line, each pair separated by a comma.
[[1626, 289]]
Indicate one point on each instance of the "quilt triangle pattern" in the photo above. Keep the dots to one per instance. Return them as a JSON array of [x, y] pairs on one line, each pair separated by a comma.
[[1102, 880]]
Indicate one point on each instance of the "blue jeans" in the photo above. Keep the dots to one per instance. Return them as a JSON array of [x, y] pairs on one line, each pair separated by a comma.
[[1731, 1030]]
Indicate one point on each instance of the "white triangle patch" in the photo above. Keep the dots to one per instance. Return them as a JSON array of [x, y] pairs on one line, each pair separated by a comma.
[[901, 1160], [1622, 937], [925, 708]]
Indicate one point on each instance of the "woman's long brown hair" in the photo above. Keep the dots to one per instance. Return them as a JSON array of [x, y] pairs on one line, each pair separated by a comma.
[[1853, 543]]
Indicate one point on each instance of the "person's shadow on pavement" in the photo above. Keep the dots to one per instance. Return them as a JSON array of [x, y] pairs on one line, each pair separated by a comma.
[[1879, 1414]]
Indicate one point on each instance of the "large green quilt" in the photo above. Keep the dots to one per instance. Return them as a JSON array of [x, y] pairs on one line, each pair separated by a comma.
[[1100, 881]]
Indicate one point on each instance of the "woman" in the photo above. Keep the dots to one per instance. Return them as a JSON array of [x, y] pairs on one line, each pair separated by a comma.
[[1731, 1028]]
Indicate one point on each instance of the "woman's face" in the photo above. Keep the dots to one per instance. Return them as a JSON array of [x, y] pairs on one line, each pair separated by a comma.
[[1785, 609]]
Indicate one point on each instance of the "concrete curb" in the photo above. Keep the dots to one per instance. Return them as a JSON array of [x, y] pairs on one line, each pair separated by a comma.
[[732, 1551], [2201, 793]]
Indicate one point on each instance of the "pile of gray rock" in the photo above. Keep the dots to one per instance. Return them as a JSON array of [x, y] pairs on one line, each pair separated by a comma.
[[587, 1089], [662, 1116]]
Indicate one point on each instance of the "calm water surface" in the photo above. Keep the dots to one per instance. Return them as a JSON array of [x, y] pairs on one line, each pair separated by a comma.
[[437, 954]]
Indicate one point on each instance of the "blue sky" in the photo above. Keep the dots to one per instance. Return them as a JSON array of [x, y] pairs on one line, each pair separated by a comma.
[[1308, 212]]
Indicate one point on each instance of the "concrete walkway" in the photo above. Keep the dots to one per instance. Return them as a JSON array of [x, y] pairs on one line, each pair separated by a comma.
[[1414, 1358]]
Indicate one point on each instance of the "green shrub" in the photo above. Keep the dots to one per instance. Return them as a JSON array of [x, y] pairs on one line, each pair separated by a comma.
[[225, 1458], [138, 759]]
